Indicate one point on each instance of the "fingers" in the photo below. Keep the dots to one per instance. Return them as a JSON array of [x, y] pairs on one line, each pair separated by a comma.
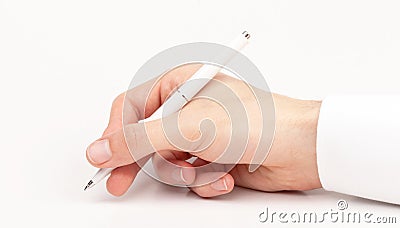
[[143, 100], [115, 121], [171, 168], [127, 145], [121, 178], [137, 103], [223, 184], [109, 151], [219, 187]]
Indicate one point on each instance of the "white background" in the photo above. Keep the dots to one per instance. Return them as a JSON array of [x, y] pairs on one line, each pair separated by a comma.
[[63, 62]]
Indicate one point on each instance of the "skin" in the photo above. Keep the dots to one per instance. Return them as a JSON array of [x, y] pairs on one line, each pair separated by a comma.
[[290, 165]]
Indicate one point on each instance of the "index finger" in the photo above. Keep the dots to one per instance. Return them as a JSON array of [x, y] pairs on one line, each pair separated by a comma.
[[135, 104]]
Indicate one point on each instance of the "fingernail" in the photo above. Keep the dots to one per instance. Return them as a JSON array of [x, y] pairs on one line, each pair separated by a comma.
[[220, 185], [99, 151], [179, 176]]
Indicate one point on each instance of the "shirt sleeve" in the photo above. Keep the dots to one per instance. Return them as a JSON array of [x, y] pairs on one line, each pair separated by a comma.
[[358, 146]]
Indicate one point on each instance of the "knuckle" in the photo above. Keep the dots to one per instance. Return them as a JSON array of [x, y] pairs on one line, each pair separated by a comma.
[[119, 99]]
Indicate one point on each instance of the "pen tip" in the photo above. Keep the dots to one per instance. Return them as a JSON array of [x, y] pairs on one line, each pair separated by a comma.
[[89, 185]]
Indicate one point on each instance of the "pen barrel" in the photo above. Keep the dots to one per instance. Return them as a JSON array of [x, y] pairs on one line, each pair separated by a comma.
[[173, 104], [200, 78]]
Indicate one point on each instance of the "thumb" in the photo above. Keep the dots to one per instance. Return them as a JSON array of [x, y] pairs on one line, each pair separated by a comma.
[[127, 145]]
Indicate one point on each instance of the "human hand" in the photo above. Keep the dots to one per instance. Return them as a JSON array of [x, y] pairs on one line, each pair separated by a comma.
[[290, 165]]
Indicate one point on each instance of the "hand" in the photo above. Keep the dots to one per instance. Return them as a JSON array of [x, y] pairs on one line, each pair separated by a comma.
[[290, 165]]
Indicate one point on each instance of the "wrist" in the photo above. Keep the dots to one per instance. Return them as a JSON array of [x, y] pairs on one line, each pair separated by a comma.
[[308, 122], [294, 146]]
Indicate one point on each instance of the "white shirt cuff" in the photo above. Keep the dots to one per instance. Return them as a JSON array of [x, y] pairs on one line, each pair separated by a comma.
[[358, 146]]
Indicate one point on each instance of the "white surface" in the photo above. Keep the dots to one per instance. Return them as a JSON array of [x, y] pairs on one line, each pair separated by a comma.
[[63, 62], [358, 146]]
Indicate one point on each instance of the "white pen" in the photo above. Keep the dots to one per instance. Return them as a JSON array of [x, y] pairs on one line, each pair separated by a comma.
[[183, 95]]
